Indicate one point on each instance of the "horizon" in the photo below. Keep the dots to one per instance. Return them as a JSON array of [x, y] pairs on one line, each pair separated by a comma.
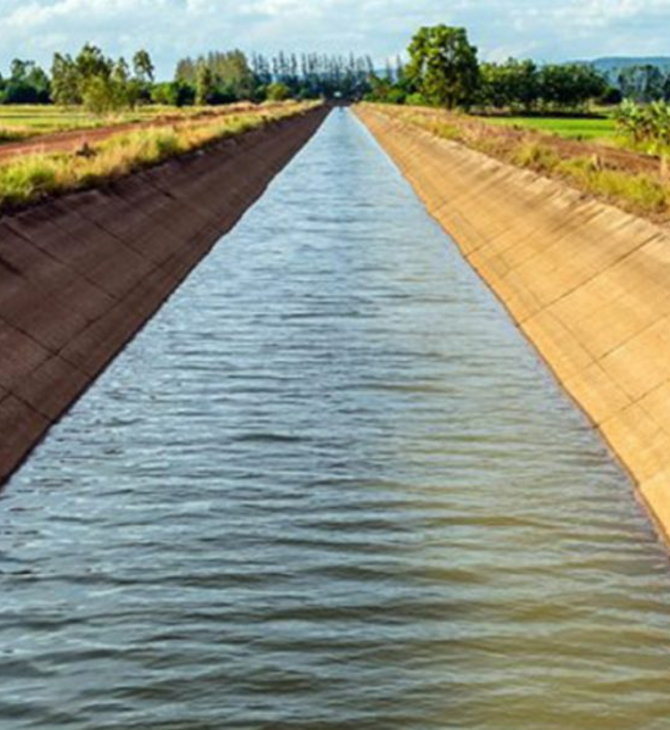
[[584, 31]]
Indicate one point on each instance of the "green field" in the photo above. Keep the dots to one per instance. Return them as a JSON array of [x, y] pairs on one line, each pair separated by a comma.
[[585, 128], [24, 121]]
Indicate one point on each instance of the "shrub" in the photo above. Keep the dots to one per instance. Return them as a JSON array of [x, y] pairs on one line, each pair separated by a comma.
[[536, 156]]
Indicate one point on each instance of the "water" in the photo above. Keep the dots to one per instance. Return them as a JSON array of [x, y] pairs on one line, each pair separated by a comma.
[[330, 486]]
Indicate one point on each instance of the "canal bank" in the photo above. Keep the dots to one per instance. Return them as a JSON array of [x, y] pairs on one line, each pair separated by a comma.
[[587, 284], [81, 274], [330, 485]]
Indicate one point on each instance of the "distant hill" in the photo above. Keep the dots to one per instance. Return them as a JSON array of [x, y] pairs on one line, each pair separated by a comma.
[[612, 66]]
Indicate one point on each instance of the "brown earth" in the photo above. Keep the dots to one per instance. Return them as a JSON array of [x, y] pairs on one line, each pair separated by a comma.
[[81, 274], [73, 140], [506, 139], [588, 284]]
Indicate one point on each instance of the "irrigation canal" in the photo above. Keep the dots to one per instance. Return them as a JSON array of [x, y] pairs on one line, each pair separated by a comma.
[[330, 486]]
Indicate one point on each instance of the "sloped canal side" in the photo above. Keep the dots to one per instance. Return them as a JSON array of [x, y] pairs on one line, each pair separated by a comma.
[[330, 486]]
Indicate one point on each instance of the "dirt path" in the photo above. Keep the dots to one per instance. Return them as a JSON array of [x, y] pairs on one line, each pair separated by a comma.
[[75, 139]]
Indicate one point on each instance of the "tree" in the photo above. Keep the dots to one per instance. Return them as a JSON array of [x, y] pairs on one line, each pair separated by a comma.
[[642, 83], [204, 84], [444, 66], [173, 93], [570, 86], [278, 91], [65, 81], [27, 84], [143, 67]]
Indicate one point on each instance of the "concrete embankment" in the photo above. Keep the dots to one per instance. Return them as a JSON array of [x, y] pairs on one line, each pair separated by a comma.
[[81, 274], [588, 284]]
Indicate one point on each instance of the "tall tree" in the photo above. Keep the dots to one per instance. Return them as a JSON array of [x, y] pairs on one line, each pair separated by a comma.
[[444, 65], [143, 66], [204, 84]]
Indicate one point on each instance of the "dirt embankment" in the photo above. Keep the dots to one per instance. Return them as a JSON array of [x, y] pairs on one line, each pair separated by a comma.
[[588, 284], [503, 141], [75, 139], [80, 275]]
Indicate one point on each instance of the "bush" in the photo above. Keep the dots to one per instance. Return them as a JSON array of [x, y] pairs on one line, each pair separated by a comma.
[[642, 191], [174, 93], [536, 156], [416, 100], [278, 92]]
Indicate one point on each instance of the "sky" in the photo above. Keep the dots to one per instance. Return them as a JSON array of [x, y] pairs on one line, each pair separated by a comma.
[[546, 30]]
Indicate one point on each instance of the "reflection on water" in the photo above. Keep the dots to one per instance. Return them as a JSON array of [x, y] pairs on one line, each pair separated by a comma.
[[330, 486]]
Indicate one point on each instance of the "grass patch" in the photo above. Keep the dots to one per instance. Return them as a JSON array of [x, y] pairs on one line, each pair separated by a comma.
[[22, 121], [25, 179], [578, 128], [536, 156], [642, 192]]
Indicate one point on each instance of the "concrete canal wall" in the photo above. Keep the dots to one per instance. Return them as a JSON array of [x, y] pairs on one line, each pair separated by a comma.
[[588, 284], [81, 274]]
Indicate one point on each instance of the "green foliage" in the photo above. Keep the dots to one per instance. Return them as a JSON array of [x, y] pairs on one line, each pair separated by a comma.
[[536, 156], [646, 125], [443, 65], [100, 83], [416, 99], [228, 76], [579, 128], [173, 93], [570, 86], [27, 84], [642, 191], [25, 179], [143, 66], [309, 76], [65, 81], [278, 92], [644, 83], [513, 84], [204, 84]]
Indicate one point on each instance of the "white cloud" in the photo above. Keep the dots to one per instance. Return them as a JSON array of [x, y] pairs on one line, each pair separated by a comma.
[[172, 28]]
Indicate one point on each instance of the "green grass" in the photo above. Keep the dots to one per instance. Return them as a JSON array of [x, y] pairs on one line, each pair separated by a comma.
[[32, 176], [641, 193], [22, 121], [580, 128]]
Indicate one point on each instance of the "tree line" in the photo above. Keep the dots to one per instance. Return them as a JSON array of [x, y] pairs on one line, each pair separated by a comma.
[[223, 77], [98, 82], [444, 70], [105, 84], [644, 83]]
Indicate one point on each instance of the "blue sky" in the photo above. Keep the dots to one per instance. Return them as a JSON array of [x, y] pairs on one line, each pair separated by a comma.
[[169, 29]]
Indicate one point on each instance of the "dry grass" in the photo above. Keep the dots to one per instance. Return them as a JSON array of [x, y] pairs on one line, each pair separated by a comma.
[[639, 188], [28, 178]]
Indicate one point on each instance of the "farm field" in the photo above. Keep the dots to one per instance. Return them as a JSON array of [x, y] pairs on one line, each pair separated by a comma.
[[46, 166], [579, 128], [23, 121]]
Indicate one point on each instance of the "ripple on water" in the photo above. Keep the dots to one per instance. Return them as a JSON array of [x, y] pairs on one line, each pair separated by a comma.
[[330, 486]]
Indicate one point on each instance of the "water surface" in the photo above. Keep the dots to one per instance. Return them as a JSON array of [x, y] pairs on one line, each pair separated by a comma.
[[330, 486]]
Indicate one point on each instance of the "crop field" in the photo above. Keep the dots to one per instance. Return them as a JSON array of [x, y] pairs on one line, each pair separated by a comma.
[[579, 128], [23, 121], [39, 173]]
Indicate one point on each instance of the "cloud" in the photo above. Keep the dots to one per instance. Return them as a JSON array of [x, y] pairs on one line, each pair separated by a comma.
[[173, 28]]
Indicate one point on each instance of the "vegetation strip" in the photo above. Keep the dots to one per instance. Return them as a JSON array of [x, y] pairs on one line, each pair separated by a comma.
[[31, 177], [633, 182]]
